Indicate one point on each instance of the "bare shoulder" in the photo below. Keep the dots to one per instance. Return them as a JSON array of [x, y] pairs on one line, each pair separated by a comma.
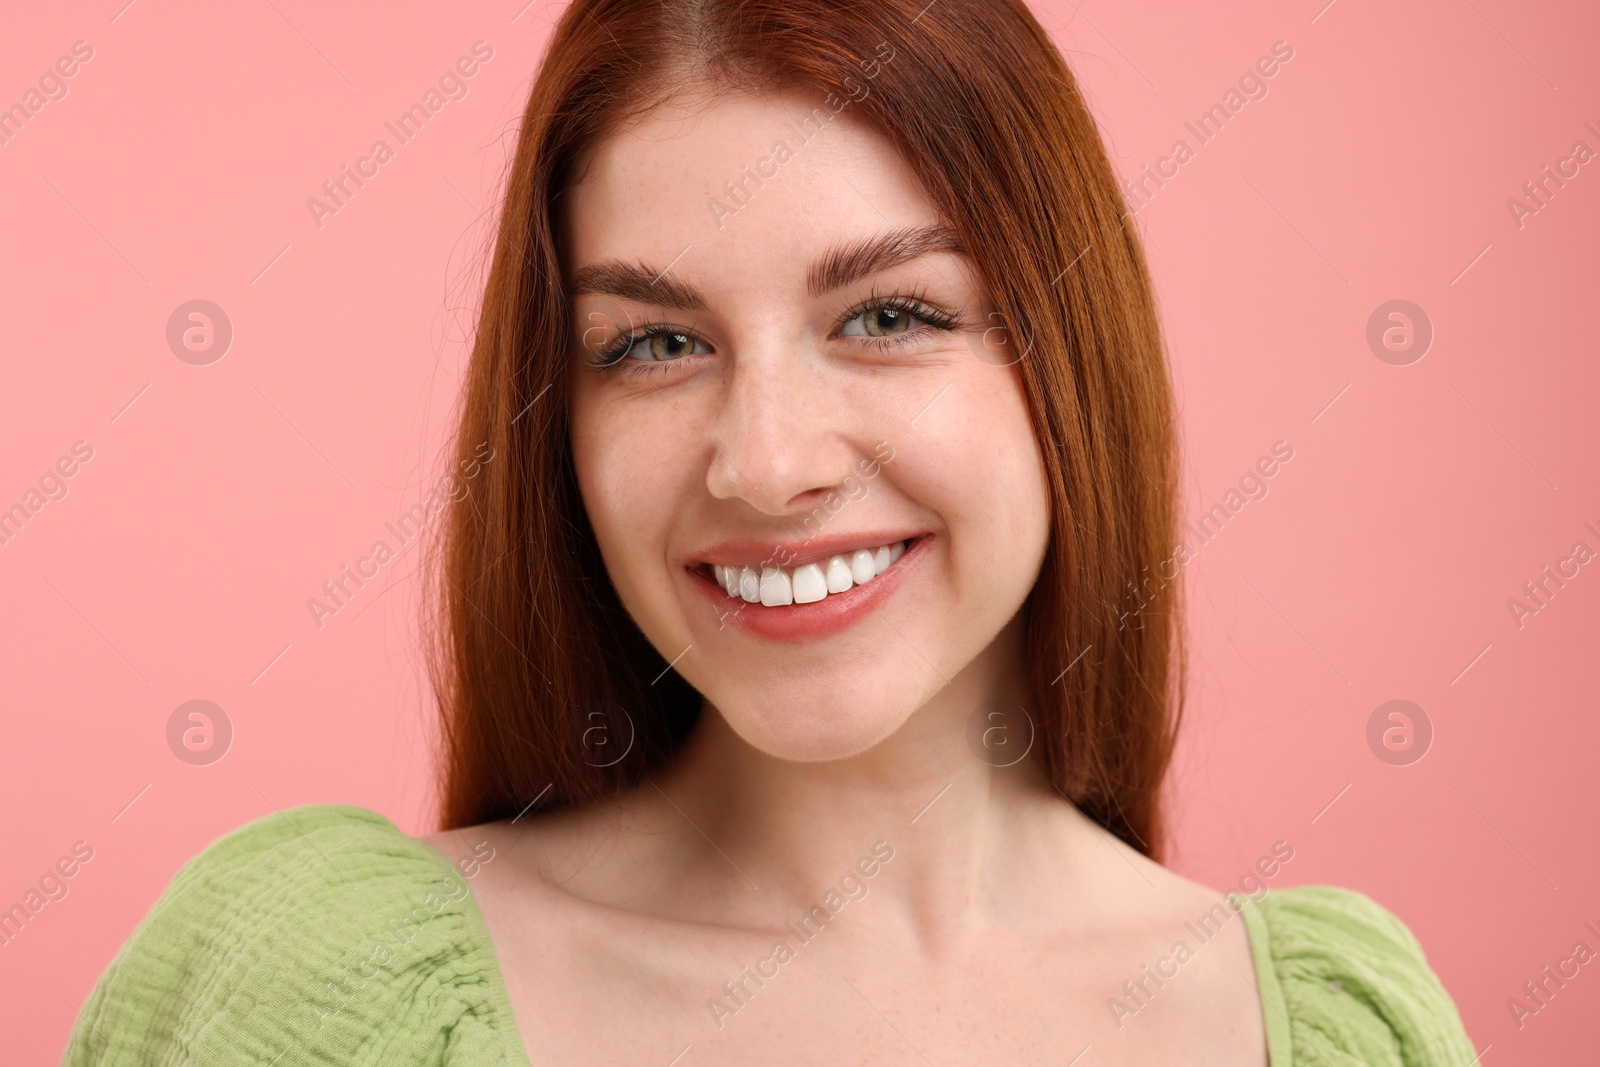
[[1175, 957]]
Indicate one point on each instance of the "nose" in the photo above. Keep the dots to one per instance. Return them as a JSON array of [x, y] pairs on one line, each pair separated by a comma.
[[779, 434]]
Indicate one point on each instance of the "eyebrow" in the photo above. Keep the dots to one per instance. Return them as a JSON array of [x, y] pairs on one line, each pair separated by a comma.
[[834, 269]]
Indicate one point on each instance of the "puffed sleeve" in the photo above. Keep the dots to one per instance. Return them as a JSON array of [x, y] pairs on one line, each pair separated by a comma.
[[317, 935], [1344, 983]]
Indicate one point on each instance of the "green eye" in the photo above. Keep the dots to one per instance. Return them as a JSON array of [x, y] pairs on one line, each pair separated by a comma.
[[884, 318], [670, 345], [657, 344], [886, 322]]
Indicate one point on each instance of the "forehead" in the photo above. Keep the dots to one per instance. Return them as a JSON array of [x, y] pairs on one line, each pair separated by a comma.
[[740, 188]]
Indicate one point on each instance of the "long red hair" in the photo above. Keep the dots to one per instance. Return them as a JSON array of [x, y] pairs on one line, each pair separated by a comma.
[[529, 636]]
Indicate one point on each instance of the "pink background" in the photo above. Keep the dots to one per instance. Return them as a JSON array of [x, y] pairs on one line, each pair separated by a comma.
[[1379, 566]]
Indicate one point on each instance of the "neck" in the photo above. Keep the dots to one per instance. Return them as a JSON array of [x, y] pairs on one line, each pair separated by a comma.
[[772, 836]]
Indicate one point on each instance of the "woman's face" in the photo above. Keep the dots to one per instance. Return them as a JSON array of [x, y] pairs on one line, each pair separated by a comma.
[[807, 404]]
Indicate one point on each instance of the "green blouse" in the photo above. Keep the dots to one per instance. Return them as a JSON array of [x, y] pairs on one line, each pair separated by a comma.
[[324, 935]]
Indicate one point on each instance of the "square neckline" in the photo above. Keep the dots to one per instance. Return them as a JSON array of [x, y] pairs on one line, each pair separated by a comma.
[[1274, 1008]]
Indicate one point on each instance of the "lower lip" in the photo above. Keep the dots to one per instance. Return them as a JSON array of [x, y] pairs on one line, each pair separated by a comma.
[[801, 622]]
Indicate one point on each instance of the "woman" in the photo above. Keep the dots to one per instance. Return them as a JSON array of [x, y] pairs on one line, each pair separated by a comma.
[[810, 652]]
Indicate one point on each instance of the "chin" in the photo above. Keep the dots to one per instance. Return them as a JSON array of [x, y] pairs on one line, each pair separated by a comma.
[[815, 723]]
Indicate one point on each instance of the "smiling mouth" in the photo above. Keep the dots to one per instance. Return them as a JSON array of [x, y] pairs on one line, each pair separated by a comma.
[[808, 583]]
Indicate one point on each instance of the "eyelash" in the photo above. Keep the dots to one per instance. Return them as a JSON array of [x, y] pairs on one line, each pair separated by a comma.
[[912, 304]]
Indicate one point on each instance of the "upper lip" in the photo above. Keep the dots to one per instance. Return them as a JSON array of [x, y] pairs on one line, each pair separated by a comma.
[[796, 552]]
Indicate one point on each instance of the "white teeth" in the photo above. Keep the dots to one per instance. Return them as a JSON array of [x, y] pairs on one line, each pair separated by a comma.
[[809, 583], [861, 568], [775, 588], [839, 579]]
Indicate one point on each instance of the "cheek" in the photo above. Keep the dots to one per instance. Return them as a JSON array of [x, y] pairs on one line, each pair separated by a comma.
[[994, 494], [631, 464]]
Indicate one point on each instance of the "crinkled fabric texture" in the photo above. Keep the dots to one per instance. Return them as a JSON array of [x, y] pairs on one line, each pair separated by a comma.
[[323, 935], [1345, 984], [318, 936]]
